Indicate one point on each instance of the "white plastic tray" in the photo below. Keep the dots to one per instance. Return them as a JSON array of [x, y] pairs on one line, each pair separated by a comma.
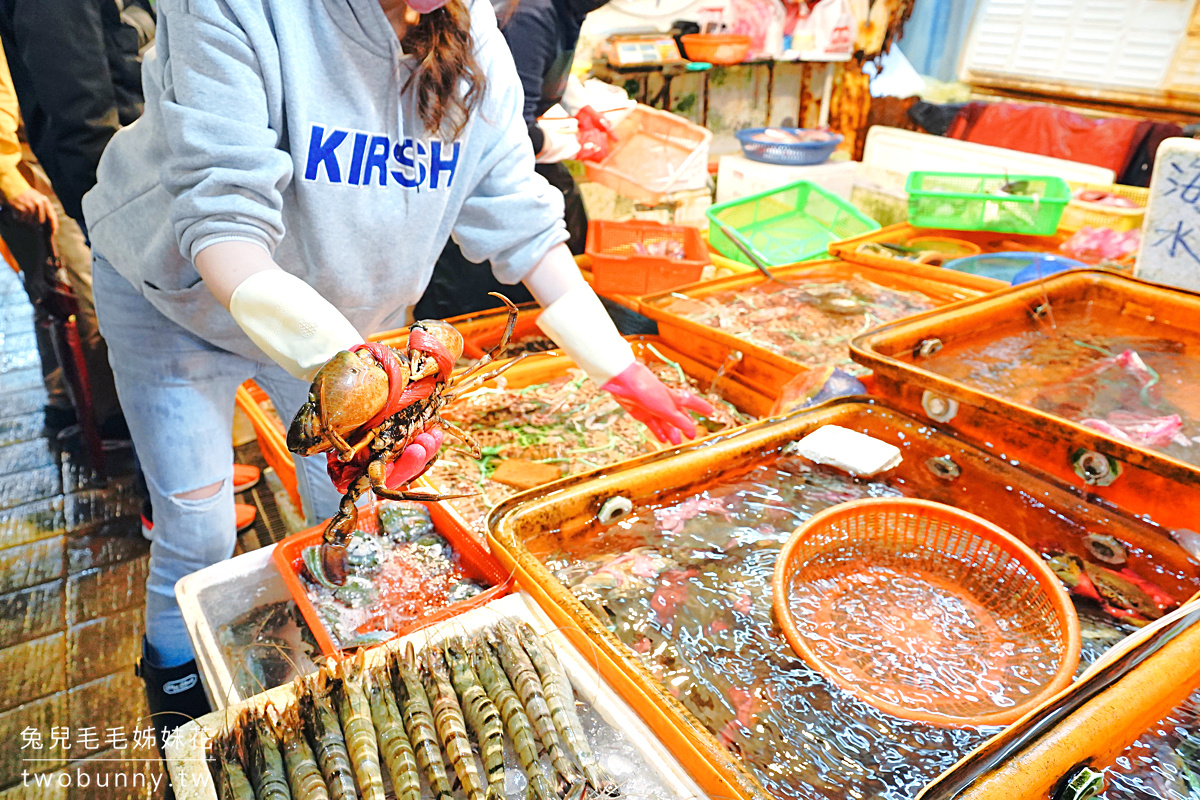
[[191, 780], [908, 151], [212, 597]]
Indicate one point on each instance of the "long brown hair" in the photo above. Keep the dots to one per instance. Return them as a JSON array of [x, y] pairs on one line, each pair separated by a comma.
[[445, 52]]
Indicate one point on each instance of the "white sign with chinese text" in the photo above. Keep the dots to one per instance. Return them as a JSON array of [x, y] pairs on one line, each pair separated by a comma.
[[1170, 251]]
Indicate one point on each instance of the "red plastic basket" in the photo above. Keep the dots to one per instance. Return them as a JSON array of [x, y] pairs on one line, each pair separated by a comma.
[[474, 557], [1001, 638], [618, 268]]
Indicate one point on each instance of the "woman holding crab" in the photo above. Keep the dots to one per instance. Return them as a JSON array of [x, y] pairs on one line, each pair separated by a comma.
[[298, 168]]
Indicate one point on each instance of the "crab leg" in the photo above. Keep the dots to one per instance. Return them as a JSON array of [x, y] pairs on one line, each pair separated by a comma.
[[358, 447], [491, 355], [464, 437], [508, 327], [377, 475], [417, 497], [337, 532], [464, 383]]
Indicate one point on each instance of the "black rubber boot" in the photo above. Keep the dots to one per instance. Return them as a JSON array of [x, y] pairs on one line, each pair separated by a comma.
[[174, 694]]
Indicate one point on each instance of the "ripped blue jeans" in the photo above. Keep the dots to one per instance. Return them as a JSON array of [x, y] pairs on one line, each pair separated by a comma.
[[177, 391]]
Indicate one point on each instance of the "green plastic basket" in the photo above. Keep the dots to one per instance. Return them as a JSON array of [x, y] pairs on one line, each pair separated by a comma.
[[786, 225], [1030, 204]]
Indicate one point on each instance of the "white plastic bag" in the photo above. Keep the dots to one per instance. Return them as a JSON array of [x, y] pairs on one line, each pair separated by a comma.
[[825, 32]]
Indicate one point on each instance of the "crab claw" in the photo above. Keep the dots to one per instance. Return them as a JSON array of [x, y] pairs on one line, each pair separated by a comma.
[[337, 535], [333, 563]]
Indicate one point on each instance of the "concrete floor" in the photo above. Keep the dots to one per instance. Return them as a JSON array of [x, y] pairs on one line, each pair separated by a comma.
[[72, 584], [72, 587]]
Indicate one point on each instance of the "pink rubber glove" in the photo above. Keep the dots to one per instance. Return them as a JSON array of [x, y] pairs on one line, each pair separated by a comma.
[[416, 458], [662, 410]]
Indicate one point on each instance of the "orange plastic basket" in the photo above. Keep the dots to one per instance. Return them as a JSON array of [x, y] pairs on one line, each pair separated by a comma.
[[271, 435], [617, 267], [716, 48], [474, 557], [854, 591]]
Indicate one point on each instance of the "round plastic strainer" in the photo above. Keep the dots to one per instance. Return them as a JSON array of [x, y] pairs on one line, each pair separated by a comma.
[[926, 612]]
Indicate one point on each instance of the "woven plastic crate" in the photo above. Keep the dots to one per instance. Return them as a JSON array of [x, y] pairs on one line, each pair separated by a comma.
[[656, 153], [782, 226], [618, 267], [970, 202]]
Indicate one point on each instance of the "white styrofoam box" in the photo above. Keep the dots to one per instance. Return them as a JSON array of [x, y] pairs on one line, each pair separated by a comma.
[[190, 776], [680, 208], [738, 176], [213, 597], [908, 151]]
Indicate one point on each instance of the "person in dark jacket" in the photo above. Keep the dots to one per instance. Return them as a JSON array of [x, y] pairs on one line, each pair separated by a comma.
[[542, 35], [77, 71]]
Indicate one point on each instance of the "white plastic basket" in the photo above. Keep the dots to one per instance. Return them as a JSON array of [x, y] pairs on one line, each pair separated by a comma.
[[656, 154], [212, 598], [191, 780]]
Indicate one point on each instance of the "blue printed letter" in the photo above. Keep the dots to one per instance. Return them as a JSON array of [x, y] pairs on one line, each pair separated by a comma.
[[323, 151], [411, 174], [356, 158], [377, 157], [437, 165]]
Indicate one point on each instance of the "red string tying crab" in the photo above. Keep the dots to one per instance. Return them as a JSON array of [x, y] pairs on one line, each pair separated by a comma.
[[376, 412]]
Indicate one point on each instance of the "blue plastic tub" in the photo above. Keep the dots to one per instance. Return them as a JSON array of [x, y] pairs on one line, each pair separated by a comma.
[[1014, 267], [792, 154]]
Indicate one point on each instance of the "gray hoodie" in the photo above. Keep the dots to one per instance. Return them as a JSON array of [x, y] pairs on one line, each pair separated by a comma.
[[282, 122]]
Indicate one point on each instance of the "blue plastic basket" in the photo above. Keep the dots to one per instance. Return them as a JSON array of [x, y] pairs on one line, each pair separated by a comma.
[[792, 154]]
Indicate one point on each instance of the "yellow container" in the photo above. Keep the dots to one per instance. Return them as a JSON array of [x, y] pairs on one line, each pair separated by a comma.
[[724, 267], [1081, 213]]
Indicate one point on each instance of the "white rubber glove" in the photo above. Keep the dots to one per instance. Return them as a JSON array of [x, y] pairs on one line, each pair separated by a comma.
[[557, 145], [290, 322], [575, 96], [579, 324]]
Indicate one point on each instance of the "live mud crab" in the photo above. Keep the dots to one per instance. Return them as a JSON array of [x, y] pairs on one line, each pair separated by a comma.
[[366, 405]]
